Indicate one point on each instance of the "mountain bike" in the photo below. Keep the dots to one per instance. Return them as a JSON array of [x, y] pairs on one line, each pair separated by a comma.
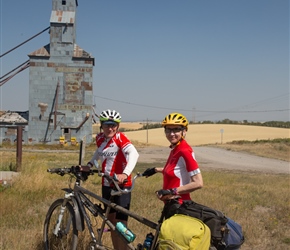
[[68, 216]]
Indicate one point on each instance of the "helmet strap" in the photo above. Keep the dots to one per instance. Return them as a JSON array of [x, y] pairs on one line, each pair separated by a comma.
[[175, 144]]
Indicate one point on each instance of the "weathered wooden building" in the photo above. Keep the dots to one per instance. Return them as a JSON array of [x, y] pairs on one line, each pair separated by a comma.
[[61, 82]]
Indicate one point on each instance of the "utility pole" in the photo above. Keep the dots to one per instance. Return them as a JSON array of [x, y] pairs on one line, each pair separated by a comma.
[[222, 132], [147, 125], [193, 111]]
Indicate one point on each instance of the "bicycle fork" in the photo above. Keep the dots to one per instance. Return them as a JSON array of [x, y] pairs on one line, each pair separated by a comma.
[[60, 216]]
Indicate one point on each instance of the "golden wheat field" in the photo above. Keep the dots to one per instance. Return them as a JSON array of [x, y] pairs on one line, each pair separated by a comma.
[[201, 134]]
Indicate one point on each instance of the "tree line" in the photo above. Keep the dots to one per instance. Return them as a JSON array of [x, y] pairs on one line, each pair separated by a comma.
[[276, 124]]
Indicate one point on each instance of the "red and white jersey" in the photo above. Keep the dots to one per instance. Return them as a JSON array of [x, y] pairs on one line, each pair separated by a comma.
[[113, 154], [180, 166]]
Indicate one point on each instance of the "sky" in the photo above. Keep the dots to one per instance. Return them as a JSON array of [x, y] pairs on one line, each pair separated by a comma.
[[209, 60]]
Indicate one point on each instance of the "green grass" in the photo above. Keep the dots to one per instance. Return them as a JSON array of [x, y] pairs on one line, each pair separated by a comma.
[[259, 202]]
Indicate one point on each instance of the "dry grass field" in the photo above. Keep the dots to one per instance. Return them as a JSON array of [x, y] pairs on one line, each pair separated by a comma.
[[203, 134], [258, 201]]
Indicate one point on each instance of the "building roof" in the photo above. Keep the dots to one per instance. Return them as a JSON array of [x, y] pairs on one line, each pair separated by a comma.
[[45, 51], [11, 118]]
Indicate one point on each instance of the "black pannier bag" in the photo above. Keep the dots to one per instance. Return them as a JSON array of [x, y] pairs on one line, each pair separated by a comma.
[[214, 219]]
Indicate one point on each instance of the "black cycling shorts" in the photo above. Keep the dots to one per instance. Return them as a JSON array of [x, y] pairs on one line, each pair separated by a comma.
[[123, 200]]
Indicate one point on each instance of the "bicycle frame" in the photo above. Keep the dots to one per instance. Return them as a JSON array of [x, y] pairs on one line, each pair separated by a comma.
[[79, 197], [81, 192]]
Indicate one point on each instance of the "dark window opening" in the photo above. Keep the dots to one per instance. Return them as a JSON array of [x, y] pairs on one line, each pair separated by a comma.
[[66, 130], [63, 2]]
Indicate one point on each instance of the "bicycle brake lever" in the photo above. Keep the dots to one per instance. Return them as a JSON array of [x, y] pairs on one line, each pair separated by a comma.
[[115, 177], [114, 193]]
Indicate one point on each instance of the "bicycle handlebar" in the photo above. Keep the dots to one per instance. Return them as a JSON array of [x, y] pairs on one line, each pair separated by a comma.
[[71, 170], [82, 172], [120, 191]]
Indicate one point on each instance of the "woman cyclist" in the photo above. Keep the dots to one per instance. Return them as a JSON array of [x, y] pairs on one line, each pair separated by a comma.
[[117, 156], [181, 173]]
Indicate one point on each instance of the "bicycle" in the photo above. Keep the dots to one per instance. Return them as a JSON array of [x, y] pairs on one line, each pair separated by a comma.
[[67, 216]]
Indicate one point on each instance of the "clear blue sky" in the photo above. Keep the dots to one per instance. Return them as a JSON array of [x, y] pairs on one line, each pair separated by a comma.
[[209, 60]]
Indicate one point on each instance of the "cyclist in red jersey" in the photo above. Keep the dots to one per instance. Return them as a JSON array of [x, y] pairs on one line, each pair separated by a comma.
[[181, 173], [117, 156]]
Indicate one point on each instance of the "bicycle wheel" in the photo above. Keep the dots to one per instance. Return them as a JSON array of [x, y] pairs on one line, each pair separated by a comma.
[[67, 235]]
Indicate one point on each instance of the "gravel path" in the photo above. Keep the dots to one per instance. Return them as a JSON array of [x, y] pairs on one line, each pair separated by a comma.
[[216, 158]]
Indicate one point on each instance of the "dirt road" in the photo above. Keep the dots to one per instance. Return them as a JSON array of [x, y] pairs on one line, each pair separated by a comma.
[[208, 158], [216, 158]]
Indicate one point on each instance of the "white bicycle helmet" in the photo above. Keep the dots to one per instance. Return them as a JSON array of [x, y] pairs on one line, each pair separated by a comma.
[[110, 116]]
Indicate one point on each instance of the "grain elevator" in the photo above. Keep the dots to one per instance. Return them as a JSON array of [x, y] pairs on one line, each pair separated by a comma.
[[61, 83]]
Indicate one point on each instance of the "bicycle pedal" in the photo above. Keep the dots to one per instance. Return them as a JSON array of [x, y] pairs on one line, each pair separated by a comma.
[[140, 246]]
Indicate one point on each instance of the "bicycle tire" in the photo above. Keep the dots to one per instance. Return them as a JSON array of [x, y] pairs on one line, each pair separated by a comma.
[[67, 237]]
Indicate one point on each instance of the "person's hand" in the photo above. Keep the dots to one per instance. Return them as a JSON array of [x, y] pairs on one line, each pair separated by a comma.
[[89, 164], [122, 178], [85, 169], [165, 194], [149, 172], [84, 172]]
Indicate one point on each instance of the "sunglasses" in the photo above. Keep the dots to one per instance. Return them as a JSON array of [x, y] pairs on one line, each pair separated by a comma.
[[109, 125], [173, 130]]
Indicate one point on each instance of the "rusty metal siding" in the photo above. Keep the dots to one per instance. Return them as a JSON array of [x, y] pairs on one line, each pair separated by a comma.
[[74, 93], [66, 17]]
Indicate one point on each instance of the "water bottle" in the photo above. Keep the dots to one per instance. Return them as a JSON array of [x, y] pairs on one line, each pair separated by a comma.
[[148, 241], [128, 235]]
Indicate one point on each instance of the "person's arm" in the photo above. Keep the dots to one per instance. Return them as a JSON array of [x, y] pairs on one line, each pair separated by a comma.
[[195, 183], [94, 157], [132, 158], [196, 180], [158, 170], [151, 171]]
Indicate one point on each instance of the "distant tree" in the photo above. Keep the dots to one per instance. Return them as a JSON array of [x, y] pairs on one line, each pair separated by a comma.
[[277, 124], [207, 122], [151, 125]]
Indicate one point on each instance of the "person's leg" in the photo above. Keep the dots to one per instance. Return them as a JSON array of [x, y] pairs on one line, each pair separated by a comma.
[[123, 201], [118, 242], [114, 217]]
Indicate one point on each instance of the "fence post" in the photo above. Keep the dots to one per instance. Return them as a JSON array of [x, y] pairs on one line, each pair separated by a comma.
[[19, 149]]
